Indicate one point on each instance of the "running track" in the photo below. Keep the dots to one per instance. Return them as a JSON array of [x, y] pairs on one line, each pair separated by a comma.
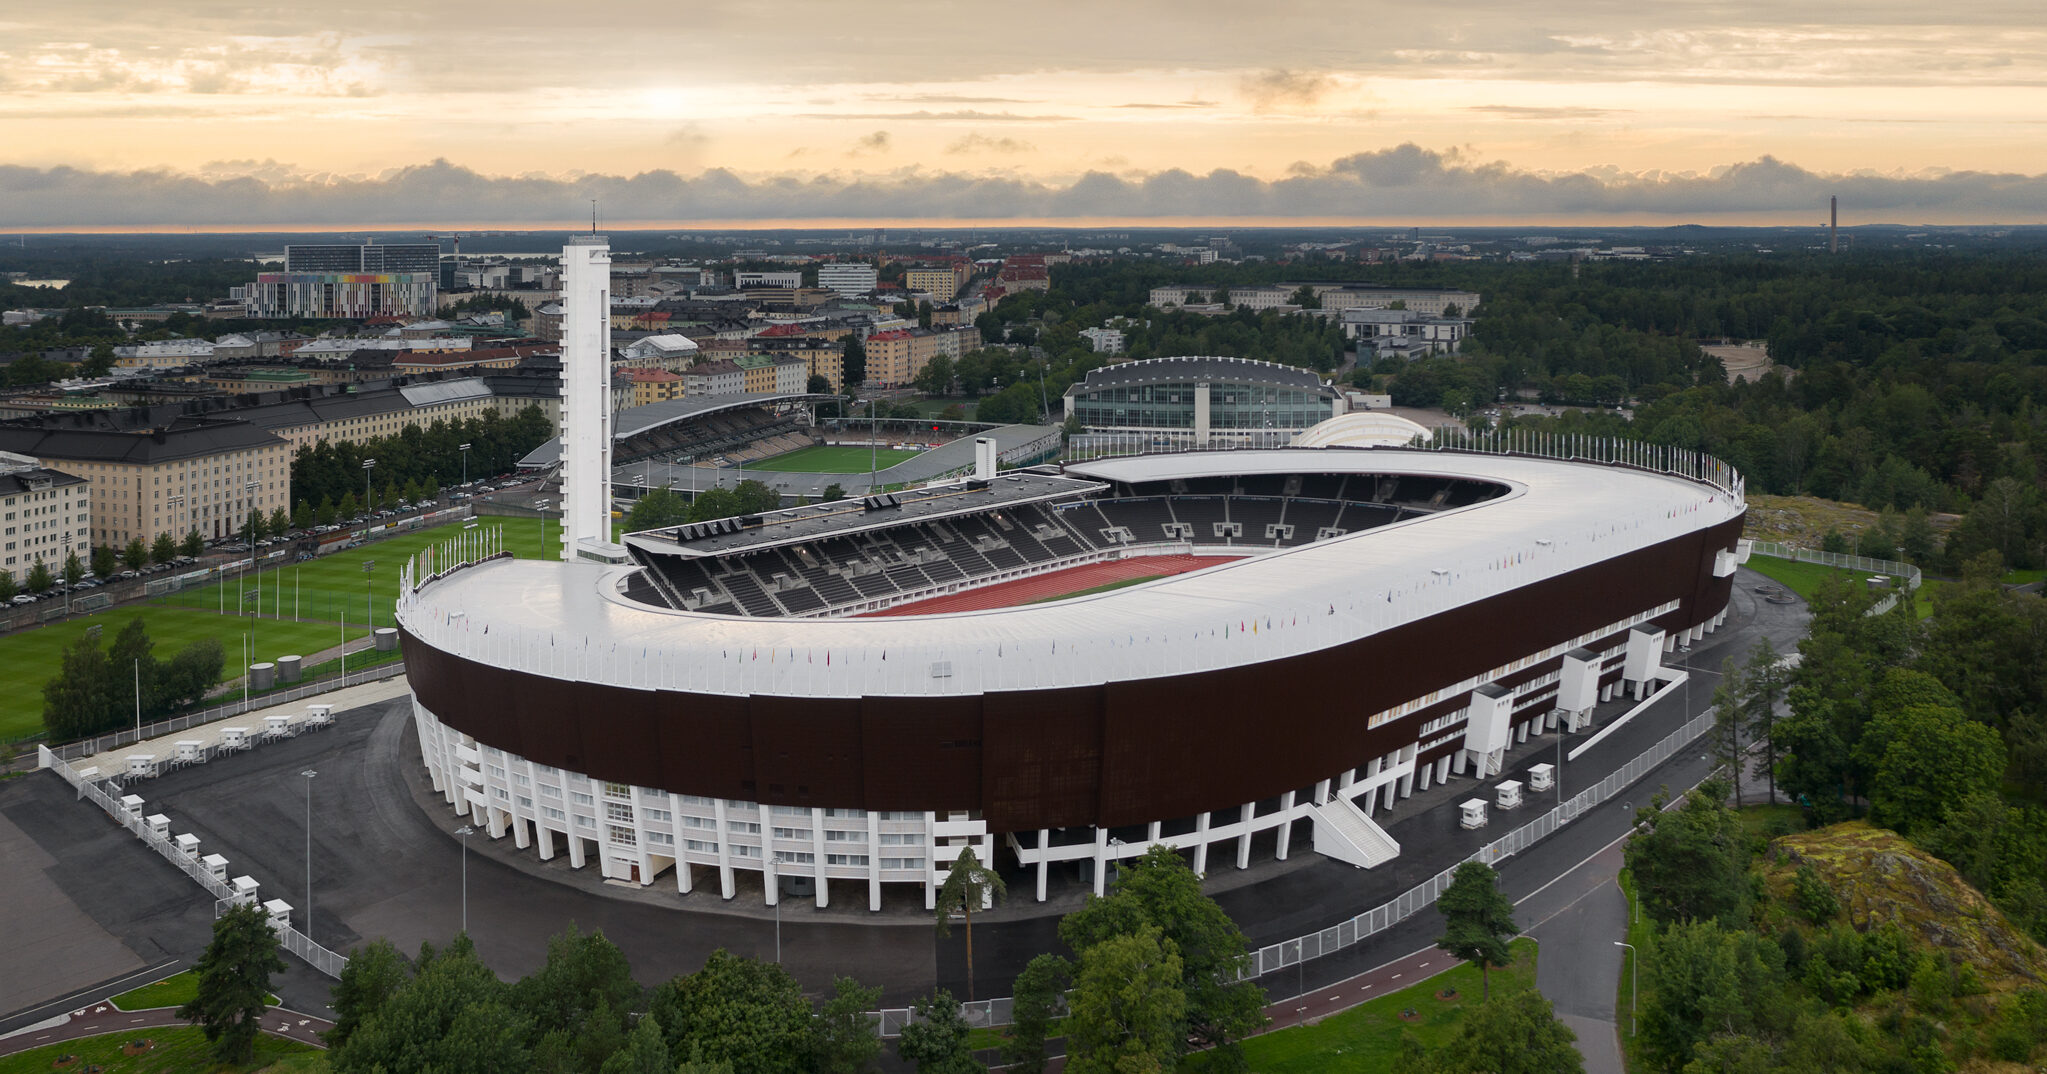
[[1055, 584]]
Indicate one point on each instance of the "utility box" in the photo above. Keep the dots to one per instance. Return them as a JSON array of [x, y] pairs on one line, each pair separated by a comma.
[[216, 866], [387, 640], [1471, 813], [278, 726], [262, 676], [280, 914], [288, 668], [319, 715]]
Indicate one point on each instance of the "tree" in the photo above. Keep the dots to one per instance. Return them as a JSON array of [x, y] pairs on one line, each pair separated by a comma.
[[1127, 1011], [190, 674], [659, 507], [255, 527], [1477, 920], [74, 568], [1765, 681], [967, 887], [374, 974], [1515, 1034], [853, 362], [1040, 993], [818, 384], [451, 1018], [280, 521], [645, 1052], [1730, 720], [1691, 863], [1933, 756], [164, 548], [848, 1041], [834, 491], [1304, 296], [194, 543], [347, 508], [39, 578], [9, 588], [302, 517], [936, 376], [584, 972], [234, 982], [749, 1013], [105, 561], [75, 700], [136, 555], [935, 1038], [1710, 980], [1160, 890]]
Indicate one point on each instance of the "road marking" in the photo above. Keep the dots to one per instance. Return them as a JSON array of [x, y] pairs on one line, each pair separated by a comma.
[[1396, 977], [1423, 966]]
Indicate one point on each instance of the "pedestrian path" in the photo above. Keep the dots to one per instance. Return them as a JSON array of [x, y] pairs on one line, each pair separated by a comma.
[[100, 1018], [114, 763]]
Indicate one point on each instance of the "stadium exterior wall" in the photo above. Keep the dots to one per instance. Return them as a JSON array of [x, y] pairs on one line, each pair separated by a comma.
[[1118, 754]]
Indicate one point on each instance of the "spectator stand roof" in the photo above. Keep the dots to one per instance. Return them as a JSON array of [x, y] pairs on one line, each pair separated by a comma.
[[634, 421], [944, 459]]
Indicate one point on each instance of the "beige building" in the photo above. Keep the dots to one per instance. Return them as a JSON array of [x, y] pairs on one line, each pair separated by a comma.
[[45, 514], [155, 470], [941, 283]]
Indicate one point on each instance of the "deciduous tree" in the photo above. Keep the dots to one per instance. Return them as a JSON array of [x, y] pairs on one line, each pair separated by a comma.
[[234, 982], [1477, 920], [1128, 1011], [848, 1040]]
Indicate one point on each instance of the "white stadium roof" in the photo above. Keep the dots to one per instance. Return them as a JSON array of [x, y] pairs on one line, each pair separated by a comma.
[[570, 621]]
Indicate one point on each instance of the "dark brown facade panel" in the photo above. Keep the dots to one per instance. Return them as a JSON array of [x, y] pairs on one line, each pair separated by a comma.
[[1125, 753]]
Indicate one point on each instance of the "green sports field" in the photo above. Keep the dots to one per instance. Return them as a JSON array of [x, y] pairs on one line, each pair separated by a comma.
[[833, 460], [315, 600]]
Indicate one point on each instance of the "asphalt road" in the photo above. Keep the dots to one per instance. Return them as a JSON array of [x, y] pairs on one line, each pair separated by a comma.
[[385, 864]]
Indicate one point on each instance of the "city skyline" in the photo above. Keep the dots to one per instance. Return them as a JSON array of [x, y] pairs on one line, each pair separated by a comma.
[[202, 115]]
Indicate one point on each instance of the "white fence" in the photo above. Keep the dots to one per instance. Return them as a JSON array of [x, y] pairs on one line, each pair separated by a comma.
[[320, 958], [1864, 564], [1274, 957], [86, 747]]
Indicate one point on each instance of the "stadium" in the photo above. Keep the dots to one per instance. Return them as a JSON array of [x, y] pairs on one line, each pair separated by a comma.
[[1256, 648]]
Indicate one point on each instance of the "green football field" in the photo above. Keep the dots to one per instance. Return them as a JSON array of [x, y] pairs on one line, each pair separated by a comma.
[[315, 601], [833, 460]]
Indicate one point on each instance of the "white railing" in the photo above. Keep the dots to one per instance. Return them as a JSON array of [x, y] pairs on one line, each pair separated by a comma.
[[1278, 956], [1889, 567], [86, 747], [320, 958]]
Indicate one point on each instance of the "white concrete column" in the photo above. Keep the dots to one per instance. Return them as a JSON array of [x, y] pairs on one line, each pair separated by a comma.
[[1201, 422], [1151, 834], [683, 881], [494, 822], [824, 895], [1044, 859], [1244, 814], [1442, 770], [726, 888], [771, 877], [519, 837], [1200, 847], [1286, 825], [576, 859], [874, 862], [1101, 861], [1385, 794], [1322, 788], [544, 835]]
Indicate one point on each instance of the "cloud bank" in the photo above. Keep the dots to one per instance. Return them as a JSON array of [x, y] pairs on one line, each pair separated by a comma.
[[1405, 182]]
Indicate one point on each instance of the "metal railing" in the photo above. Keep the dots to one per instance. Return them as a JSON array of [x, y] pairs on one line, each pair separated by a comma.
[[1890, 567], [316, 956], [1313, 945], [86, 747]]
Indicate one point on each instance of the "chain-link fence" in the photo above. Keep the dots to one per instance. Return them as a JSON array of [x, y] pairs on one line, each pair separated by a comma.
[[320, 958]]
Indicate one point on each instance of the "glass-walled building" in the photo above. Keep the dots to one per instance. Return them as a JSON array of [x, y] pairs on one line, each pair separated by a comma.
[[1199, 400]]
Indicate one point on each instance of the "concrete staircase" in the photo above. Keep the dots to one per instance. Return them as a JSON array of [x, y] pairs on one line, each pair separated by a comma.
[[1343, 832]]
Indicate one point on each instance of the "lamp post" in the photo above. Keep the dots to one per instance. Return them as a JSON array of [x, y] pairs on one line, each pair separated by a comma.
[[775, 879], [369, 603], [1634, 986], [465, 831], [367, 466], [251, 488], [309, 774], [464, 449]]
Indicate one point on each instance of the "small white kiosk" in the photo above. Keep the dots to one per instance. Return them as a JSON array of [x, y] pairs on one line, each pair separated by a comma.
[[234, 738], [191, 751], [216, 865], [1471, 813], [131, 804], [1508, 795], [319, 716], [159, 825], [142, 765], [244, 890], [278, 726], [280, 914], [1542, 777], [188, 845]]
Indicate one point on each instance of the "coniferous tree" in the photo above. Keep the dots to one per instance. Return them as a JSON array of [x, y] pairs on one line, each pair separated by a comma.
[[234, 982]]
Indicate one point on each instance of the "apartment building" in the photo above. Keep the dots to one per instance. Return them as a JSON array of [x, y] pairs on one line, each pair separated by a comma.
[[354, 282], [652, 385], [940, 283], [719, 377], [45, 515], [848, 278]]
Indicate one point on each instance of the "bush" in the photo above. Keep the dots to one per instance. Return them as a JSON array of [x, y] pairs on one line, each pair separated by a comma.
[[1814, 897]]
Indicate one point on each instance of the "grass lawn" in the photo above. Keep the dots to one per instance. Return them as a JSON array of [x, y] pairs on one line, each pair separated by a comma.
[[1103, 588], [327, 590], [829, 459], [173, 991], [1804, 579], [178, 1050], [1367, 1037]]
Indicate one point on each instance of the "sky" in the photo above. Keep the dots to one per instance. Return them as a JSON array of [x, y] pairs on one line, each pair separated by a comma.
[[116, 115]]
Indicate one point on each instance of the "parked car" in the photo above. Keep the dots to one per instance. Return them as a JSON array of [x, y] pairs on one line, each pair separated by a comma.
[[23, 598]]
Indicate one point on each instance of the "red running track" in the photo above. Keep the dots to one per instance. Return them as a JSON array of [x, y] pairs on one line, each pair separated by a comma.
[[1055, 584]]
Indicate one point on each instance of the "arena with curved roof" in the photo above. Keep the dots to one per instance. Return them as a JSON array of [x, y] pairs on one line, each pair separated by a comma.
[[1327, 630]]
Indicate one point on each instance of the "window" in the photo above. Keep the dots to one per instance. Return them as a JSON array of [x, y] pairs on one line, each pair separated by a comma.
[[658, 816], [791, 833], [834, 836], [581, 799], [552, 813], [700, 846], [618, 812], [741, 850], [902, 863], [585, 822], [547, 791], [622, 836], [746, 826], [660, 839], [845, 859], [699, 822], [525, 802], [902, 839]]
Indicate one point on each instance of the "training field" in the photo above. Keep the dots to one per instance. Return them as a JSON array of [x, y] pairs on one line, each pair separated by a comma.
[[314, 600], [833, 460]]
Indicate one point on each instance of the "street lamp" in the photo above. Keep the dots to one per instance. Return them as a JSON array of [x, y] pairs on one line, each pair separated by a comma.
[[369, 603], [309, 774], [465, 831], [775, 879], [464, 449], [251, 488], [367, 466], [1635, 986]]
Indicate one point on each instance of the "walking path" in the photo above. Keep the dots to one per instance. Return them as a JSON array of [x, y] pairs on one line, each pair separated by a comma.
[[104, 1017]]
